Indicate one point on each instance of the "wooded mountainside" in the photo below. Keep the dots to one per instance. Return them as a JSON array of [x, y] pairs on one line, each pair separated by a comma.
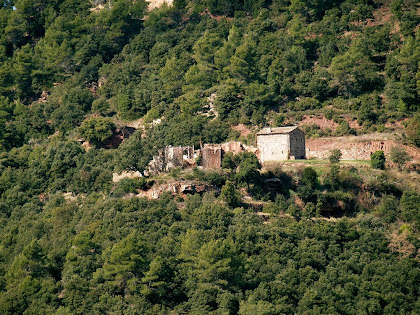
[[333, 239]]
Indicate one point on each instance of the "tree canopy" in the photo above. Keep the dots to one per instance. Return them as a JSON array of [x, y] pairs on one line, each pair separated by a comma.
[[324, 239]]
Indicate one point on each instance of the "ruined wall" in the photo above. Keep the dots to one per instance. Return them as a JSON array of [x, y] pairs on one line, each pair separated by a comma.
[[354, 148], [297, 145], [211, 156], [188, 153], [174, 157], [233, 146], [273, 147], [168, 158]]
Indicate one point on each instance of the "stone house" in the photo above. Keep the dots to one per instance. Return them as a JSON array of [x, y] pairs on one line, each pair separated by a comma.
[[279, 144]]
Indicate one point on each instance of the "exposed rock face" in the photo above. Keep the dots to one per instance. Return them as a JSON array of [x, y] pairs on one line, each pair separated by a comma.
[[244, 130], [158, 3], [126, 174], [323, 123], [320, 121], [211, 107], [355, 148], [176, 188]]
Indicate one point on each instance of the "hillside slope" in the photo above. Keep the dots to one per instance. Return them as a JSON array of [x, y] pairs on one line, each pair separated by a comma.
[[90, 91]]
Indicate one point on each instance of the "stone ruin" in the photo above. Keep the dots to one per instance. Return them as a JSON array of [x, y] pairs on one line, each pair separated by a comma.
[[211, 156], [169, 158]]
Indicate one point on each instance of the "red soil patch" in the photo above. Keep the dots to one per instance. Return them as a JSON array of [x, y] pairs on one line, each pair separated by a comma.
[[325, 123], [381, 16], [354, 124], [320, 121], [244, 130], [396, 124]]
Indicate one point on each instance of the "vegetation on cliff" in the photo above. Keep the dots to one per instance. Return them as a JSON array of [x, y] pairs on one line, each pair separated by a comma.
[[73, 242]]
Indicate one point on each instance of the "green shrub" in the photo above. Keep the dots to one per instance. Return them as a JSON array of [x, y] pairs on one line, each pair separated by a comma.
[[310, 210], [229, 194], [335, 156], [175, 172], [100, 106], [377, 160], [215, 179], [412, 131], [294, 211], [309, 177], [96, 129], [388, 208], [400, 157], [410, 207], [344, 129], [129, 185]]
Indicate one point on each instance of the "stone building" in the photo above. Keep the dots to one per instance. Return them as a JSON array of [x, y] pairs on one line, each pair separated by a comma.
[[279, 144]]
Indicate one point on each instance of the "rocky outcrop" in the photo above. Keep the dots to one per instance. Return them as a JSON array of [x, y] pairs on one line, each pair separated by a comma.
[[126, 174], [158, 3], [177, 188]]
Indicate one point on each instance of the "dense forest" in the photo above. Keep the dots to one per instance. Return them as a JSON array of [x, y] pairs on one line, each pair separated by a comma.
[[333, 239]]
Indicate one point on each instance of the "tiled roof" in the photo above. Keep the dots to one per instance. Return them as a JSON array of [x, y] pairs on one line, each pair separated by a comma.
[[277, 130]]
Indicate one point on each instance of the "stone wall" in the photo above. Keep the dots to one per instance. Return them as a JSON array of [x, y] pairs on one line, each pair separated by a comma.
[[211, 156], [297, 145], [355, 148], [168, 158], [235, 147], [174, 157], [273, 147]]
